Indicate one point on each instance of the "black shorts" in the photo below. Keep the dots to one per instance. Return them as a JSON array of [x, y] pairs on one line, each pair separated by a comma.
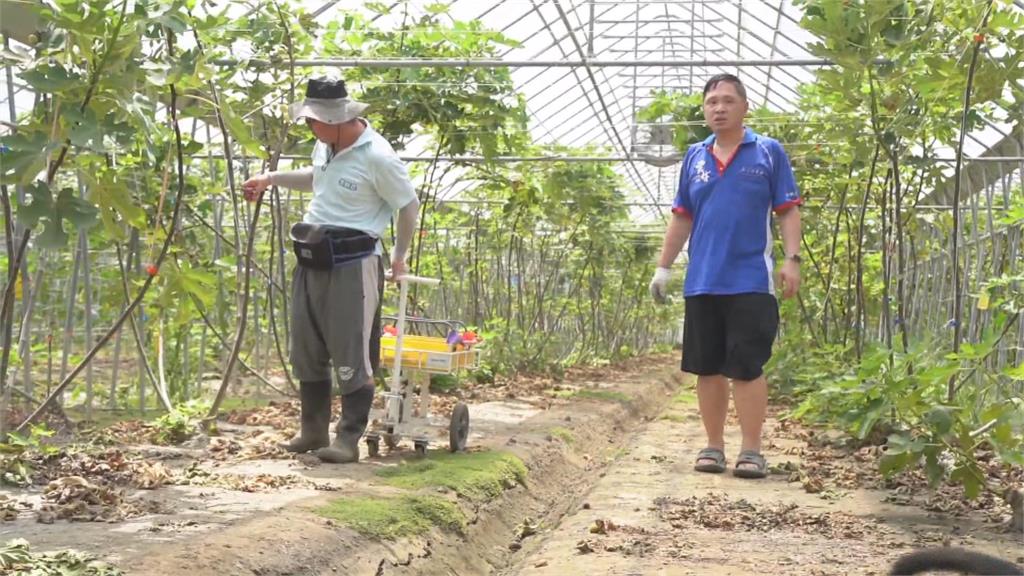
[[730, 335]]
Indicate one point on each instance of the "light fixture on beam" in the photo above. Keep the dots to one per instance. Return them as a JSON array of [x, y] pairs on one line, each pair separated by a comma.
[[653, 142]]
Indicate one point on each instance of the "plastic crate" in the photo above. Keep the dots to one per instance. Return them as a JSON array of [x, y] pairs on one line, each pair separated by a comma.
[[429, 353]]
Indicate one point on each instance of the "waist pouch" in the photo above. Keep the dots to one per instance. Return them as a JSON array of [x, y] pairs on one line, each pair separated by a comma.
[[323, 247]]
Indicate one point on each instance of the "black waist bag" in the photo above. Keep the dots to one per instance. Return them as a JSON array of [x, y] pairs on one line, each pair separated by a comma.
[[323, 247]]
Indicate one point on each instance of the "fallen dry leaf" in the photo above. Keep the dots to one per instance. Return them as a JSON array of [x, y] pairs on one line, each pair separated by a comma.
[[601, 526], [831, 469], [256, 444], [528, 527], [75, 498], [585, 547], [717, 511], [198, 476], [280, 415], [10, 508], [150, 475]]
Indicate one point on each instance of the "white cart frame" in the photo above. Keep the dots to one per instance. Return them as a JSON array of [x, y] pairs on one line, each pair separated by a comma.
[[400, 418]]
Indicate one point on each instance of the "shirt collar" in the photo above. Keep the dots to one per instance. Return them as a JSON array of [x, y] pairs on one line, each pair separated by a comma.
[[367, 134], [748, 137], [363, 140]]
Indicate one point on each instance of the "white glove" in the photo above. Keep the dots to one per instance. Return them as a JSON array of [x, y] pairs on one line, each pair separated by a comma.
[[659, 285]]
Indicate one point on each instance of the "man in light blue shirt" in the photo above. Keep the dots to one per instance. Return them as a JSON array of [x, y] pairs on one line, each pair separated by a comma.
[[358, 182]]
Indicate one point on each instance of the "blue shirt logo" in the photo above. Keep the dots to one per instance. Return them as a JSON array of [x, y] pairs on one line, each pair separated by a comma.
[[700, 173], [754, 171]]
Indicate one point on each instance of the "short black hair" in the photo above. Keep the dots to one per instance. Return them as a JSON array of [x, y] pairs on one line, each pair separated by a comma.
[[717, 79]]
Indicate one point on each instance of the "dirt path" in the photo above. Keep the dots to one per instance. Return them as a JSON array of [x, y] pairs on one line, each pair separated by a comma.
[[652, 514], [607, 489]]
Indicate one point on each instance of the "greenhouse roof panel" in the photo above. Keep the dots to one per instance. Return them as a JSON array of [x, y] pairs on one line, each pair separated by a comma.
[[587, 67]]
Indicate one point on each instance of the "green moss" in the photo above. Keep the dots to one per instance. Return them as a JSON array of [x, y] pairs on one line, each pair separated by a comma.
[[443, 383], [396, 517], [618, 453], [591, 394], [563, 434], [686, 398], [680, 418], [104, 418], [478, 476]]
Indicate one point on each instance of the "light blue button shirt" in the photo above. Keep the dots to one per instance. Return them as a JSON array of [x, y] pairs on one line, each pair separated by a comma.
[[360, 187]]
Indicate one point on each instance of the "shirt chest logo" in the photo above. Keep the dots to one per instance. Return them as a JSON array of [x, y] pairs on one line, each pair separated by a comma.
[[348, 184], [701, 174], [754, 172]]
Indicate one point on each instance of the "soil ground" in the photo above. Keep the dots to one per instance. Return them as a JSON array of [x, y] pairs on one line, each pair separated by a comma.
[[652, 514], [608, 489]]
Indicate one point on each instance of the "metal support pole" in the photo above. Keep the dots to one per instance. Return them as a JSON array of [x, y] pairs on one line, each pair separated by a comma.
[[558, 158], [498, 63], [83, 237], [590, 33]]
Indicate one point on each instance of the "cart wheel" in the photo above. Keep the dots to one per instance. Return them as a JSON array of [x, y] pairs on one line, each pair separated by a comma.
[[421, 449], [458, 429], [373, 446], [392, 440]]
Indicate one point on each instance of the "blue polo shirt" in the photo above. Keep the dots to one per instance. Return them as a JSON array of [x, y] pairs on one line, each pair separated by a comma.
[[731, 204]]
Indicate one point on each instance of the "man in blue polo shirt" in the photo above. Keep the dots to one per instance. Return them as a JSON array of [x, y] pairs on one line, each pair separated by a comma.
[[729, 186]]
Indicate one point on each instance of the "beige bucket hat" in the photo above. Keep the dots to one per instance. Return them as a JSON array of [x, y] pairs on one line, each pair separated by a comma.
[[327, 101]]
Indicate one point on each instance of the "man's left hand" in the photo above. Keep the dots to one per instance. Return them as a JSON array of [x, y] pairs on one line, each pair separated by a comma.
[[397, 268], [790, 276]]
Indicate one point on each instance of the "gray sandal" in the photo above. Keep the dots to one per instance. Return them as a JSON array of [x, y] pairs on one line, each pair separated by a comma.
[[717, 467], [750, 457]]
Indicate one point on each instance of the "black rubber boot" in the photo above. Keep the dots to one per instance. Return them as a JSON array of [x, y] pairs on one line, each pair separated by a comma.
[[316, 417], [355, 414]]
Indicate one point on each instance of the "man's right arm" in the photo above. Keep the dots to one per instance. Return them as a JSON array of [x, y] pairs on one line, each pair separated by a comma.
[[681, 222], [675, 238], [678, 232], [295, 179]]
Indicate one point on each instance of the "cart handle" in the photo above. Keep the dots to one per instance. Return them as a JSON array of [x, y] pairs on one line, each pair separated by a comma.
[[403, 290]]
